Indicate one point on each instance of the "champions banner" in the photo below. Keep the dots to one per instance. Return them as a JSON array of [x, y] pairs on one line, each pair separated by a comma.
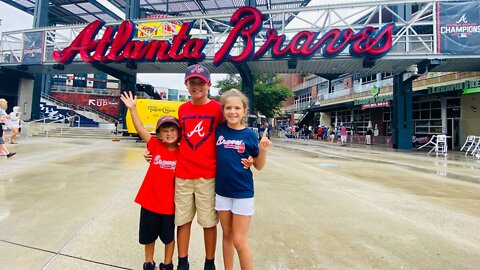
[[458, 28], [32, 48]]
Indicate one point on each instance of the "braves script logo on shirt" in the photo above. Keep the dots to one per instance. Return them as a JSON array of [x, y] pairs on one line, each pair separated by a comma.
[[231, 144], [164, 164], [197, 129]]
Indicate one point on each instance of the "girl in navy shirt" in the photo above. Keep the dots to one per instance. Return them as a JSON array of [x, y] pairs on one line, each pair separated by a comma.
[[234, 181]]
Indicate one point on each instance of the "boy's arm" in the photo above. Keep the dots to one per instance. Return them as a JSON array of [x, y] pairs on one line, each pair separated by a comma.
[[263, 146], [131, 102]]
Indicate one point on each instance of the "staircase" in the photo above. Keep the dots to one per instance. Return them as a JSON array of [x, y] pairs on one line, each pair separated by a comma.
[[55, 113], [81, 132], [53, 108]]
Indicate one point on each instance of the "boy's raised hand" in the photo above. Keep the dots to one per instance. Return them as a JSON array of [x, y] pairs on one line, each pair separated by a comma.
[[128, 99], [264, 143]]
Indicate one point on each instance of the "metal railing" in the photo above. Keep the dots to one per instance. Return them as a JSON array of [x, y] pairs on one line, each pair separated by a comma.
[[62, 123], [27, 125], [85, 90]]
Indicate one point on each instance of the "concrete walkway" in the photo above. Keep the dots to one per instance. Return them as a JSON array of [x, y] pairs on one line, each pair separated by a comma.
[[68, 204]]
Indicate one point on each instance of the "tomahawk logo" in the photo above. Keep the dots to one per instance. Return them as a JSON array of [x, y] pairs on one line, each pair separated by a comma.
[[463, 19], [198, 129]]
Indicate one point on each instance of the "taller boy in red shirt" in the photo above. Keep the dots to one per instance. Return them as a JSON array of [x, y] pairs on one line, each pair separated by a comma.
[[195, 174]]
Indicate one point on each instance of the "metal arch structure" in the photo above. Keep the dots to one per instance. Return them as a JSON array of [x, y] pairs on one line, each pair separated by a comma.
[[211, 7], [414, 41]]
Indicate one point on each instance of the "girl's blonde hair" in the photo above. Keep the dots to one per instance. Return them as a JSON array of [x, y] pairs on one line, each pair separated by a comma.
[[235, 93]]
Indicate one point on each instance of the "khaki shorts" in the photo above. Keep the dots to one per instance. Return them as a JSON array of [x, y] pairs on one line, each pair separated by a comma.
[[197, 195]]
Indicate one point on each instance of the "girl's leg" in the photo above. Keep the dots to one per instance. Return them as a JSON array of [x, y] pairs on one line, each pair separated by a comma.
[[227, 240], [149, 251], [169, 248], [240, 227]]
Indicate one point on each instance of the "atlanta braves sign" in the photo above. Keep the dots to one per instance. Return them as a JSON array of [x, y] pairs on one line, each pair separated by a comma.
[[116, 44]]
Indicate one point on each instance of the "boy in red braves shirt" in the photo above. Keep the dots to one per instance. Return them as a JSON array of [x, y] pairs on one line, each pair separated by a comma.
[[196, 168], [156, 194]]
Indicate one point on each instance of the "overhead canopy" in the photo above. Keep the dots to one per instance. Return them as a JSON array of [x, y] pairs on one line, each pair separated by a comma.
[[85, 11]]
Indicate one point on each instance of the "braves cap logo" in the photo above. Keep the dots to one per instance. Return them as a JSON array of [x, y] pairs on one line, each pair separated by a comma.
[[197, 69]]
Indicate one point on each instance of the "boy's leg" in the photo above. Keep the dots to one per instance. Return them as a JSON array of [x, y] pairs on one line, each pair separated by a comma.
[[210, 239], [207, 216], [169, 248], [240, 227], [167, 236], [149, 251], [183, 238], [227, 238], [184, 212]]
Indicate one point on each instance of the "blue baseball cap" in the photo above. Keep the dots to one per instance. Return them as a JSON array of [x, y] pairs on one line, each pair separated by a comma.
[[199, 71]]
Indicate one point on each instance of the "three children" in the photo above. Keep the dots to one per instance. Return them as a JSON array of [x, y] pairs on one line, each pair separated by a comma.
[[196, 171]]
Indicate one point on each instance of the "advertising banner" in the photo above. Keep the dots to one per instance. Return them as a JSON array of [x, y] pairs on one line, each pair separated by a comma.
[[32, 48], [106, 104], [150, 111], [458, 29]]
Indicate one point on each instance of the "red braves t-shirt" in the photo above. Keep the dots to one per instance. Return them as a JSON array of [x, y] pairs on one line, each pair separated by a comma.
[[157, 190], [197, 148]]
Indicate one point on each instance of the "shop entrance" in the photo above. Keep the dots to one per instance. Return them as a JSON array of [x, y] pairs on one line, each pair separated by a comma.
[[453, 131]]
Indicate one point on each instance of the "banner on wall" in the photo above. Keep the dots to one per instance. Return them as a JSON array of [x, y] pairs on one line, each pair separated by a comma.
[[458, 29], [32, 48]]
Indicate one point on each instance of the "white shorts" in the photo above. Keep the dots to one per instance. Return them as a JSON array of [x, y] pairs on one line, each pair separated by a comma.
[[344, 138], [243, 207]]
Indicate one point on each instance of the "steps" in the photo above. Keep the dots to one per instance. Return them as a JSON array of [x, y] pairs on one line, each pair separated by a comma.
[[80, 132]]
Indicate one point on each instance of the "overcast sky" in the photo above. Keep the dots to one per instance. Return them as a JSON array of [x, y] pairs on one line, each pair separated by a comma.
[[15, 19]]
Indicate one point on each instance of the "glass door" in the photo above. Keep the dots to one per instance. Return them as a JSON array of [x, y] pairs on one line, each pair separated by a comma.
[[453, 133]]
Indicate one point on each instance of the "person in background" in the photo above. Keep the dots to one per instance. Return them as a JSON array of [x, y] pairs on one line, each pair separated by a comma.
[[3, 121], [14, 124], [368, 136], [343, 134]]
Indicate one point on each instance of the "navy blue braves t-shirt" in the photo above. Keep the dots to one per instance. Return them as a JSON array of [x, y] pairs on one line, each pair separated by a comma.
[[232, 180]]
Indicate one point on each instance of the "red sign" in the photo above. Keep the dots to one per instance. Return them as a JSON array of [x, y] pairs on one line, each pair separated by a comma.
[[117, 44], [105, 104], [376, 105]]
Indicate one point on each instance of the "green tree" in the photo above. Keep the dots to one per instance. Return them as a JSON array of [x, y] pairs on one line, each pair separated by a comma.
[[268, 91], [232, 81]]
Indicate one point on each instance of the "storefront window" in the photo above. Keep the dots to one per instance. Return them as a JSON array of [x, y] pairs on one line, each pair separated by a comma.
[[436, 113]]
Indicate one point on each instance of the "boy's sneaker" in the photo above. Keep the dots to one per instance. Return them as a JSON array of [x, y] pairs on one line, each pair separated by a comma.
[[166, 266], [149, 266], [183, 267], [11, 154], [210, 267]]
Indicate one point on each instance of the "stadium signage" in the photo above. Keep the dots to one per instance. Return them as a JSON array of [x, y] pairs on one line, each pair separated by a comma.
[[117, 43], [466, 85], [373, 100]]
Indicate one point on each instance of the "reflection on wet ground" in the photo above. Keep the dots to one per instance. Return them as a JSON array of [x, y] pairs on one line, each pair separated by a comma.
[[397, 170], [68, 204]]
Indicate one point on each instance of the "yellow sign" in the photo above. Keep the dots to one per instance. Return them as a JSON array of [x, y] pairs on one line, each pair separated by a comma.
[[150, 111], [158, 29]]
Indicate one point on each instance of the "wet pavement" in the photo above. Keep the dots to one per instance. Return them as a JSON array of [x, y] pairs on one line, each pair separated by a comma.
[[68, 204]]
